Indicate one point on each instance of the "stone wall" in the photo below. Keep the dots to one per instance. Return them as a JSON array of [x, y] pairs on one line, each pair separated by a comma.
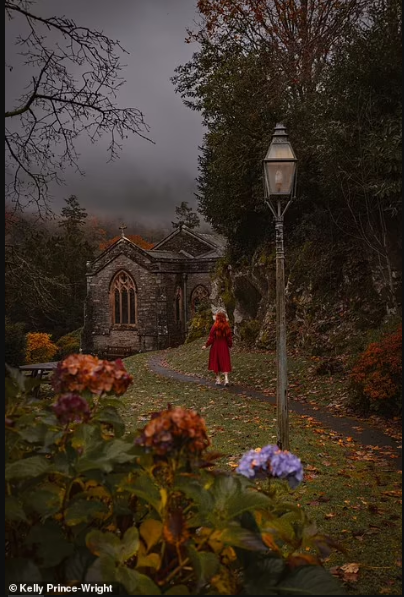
[[98, 323], [156, 282], [187, 282]]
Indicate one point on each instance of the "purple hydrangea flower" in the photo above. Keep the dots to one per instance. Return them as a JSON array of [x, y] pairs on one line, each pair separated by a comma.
[[272, 462], [285, 465], [71, 407], [266, 455], [248, 464]]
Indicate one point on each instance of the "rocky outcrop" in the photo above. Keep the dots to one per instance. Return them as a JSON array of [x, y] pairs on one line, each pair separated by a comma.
[[332, 297]]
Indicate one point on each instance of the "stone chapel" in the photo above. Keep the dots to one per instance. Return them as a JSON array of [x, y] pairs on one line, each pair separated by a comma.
[[140, 300]]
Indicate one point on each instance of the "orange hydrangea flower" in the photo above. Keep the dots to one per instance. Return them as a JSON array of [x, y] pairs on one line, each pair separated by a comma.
[[174, 429], [81, 372]]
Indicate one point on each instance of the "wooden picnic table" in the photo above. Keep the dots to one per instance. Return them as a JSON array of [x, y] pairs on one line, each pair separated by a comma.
[[38, 370]]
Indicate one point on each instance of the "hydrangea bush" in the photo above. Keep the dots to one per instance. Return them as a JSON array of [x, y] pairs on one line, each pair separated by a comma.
[[150, 512]]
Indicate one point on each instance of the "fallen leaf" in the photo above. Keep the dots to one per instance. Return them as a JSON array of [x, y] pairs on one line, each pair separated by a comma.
[[350, 572], [351, 568], [393, 493]]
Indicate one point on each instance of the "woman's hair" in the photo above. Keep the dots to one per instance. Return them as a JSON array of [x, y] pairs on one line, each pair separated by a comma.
[[221, 325]]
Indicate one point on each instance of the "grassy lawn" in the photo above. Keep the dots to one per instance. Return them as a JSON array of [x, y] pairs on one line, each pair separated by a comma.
[[352, 493]]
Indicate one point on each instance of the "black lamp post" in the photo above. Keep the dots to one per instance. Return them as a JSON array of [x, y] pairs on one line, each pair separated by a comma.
[[280, 166]]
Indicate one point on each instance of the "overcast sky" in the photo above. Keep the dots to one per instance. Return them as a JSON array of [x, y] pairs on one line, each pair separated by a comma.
[[148, 181]]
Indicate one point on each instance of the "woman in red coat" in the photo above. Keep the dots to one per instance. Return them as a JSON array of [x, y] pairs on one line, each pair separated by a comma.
[[220, 341]]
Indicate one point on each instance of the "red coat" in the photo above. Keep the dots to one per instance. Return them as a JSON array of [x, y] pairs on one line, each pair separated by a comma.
[[219, 354]]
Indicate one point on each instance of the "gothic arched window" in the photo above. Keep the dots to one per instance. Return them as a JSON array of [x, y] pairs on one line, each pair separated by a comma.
[[123, 299], [199, 296]]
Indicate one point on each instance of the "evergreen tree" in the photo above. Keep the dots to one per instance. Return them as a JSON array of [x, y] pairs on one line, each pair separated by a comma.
[[185, 216]]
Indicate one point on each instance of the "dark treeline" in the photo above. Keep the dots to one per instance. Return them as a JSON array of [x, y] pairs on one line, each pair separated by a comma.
[[331, 72], [46, 265]]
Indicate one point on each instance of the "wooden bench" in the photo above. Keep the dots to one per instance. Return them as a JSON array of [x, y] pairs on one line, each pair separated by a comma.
[[111, 353]]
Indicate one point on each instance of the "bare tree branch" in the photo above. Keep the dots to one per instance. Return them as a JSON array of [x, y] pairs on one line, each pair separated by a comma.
[[74, 93]]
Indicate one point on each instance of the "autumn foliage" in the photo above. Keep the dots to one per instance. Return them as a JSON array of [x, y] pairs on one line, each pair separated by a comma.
[[40, 348], [301, 34], [377, 375], [134, 238]]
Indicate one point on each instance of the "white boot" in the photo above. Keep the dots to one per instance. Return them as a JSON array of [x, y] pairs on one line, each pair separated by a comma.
[[226, 379], [218, 380]]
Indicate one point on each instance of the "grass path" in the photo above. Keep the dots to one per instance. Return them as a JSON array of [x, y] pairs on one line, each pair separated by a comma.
[[353, 493]]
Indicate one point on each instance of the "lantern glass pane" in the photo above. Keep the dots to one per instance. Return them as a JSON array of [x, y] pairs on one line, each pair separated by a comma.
[[279, 177]]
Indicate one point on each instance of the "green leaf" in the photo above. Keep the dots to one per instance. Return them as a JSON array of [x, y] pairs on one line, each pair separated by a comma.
[[112, 402], [205, 564], [130, 544], [35, 433], [177, 590], [60, 464], [103, 569], [51, 546], [45, 501], [19, 570], [84, 511], [151, 532], [14, 509], [78, 563], [27, 468], [11, 389], [104, 457], [152, 560], [231, 498], [21, 382], [246, 500], [194, 490], [310, 580], [136, 583], [280, 527], [48, 418], [111, 416], [51, 437], [146, 489], [100, 543], [270, 576], [237, 536], [262, 575], [86, 437]]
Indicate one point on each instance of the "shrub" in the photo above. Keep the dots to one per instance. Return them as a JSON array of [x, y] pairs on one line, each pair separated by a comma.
[[200, 324], [69, 343], [376, 378], [328, 366], [15, 343], [40, 348], [148, 513], [248, 331]]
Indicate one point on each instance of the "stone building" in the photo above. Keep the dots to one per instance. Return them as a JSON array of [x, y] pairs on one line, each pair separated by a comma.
[[140, 300]]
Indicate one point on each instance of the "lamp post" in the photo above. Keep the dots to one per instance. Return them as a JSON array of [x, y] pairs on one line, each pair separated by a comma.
[[280, 183]]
